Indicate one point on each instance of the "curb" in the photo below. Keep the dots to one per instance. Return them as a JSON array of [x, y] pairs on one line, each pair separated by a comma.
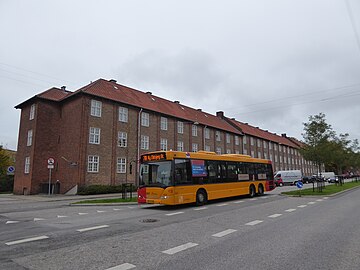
[[326, 195]]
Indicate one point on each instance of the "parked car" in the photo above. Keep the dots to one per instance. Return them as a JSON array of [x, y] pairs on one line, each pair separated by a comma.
[[308, 179]]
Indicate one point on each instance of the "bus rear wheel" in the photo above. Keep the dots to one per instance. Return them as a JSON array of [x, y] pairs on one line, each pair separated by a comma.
[[201, 197], [261, 190], [252, 191]]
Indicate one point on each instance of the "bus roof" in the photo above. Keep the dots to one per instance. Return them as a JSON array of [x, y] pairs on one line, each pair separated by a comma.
[[206, 155]]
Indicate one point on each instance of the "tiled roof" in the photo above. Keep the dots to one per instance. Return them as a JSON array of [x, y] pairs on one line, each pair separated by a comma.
[[119, 93], [53, 94], [263, 134]]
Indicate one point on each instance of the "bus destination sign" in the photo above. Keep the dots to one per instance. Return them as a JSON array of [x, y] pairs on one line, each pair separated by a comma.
[[153, 157]]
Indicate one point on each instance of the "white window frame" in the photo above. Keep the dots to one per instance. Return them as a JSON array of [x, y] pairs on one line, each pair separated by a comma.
[[93, 164], [27, 165], [145, 142], [180, 127], [194, 130], [123, 114], [96, 107], [145, 119], [207, 133], [218, 150], [94, 135], [228, 151], [228, 138], [251, 141], [207, 148], [237, 141], [122, 139], [29, 137], [195, 147], [163, 144], [32, 112], [217, 135], [180, 146], [121, 165], [244, 140], [163, 123]]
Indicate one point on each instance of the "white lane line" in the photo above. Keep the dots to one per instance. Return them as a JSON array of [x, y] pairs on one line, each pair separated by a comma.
[[26, 240], [131, 207], [275, 215], [253, 199], [311, 202], [199, 209], [39, 219], [173, 214], [93, 228], [290, 210], [117, 209], [325, 198], [223, 233], [124, 266], [255, 222], [81, 214], [302, 206], [177, 249], [62, 216], [12, 222], [238, 202], [100, 211], [222, 204], [319, 200]]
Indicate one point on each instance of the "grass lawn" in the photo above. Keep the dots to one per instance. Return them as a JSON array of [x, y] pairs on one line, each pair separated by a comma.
[[328, 190], [113, 200]]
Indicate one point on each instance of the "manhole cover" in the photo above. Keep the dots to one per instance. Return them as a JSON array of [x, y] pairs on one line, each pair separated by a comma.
[[149, 220]]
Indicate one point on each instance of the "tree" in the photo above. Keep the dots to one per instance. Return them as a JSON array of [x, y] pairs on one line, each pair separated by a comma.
[[4, 161]]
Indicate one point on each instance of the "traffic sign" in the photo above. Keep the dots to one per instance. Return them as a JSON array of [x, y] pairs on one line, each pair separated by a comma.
[[299, 184], [51, 161], [10, 170]]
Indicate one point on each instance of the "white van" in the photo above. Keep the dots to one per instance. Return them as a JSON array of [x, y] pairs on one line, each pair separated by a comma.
[[327, 175], [287, 177]]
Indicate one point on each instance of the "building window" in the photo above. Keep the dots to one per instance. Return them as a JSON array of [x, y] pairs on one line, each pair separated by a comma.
[[259, 154], [227, 138], [265, 144], [270, 145], [237, 152], [245, 151], [96, 108], [163, 144], [194, 147], [163, 123], [251, 140], [218, 150], [180, 146], [27, 165], [145, 119], [207, 133], [93, 164], [194, 130], [265, 156], [217, 136], [228, 151], [244, 140], [180, 127], [144, 142], [122, 139], [121, 165], [29, 137], [207, 148], [94, 137], [252, 153], [123, 114], [32, 112], [258, 143], [237, 140]]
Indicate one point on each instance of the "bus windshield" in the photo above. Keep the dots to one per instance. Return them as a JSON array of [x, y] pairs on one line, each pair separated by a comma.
[[156, 174]]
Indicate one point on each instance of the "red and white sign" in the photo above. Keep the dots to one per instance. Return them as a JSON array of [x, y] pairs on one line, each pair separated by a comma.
[[51, 162]]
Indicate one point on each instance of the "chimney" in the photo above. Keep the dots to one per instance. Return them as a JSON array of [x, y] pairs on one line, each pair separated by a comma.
[[112, 80], [149, 93], [220, 114], [283, 135], [63, 88], [199, 110], [177, 102]]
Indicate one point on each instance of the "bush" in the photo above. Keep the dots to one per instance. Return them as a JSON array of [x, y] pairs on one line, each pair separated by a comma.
[[104, 189], [6, 183]]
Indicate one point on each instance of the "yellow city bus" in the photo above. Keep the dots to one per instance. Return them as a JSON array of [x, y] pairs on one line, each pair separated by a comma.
[[172, 177]]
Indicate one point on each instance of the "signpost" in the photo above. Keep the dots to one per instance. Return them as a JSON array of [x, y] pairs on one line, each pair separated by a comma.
[[50, 162], [10, 170], [299, 185]]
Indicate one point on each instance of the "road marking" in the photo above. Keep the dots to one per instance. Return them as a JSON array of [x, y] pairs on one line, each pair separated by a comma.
[[39, 219], [173, 214], [177, 249], [117, 209], [61, 216], [264, 197], [325, 198], [222, 204], [255, 222], [253, 199], [201, 208], [81, 214], [100, 211], [131, 207], [238, 202], [12, 222], [93, 228], [223, 233], [275, 215], [311, 202], [124, 266], [319, 200], [290, 210], [27, 240], [302, 206]]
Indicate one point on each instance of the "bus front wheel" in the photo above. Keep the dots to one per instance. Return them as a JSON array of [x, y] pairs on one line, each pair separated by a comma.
[[201, 197]]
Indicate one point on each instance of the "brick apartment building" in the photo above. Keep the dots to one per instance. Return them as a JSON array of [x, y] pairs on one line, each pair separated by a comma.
[[97, 133]]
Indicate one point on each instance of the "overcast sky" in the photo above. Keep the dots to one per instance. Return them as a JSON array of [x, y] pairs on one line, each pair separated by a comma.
[[270, 63]]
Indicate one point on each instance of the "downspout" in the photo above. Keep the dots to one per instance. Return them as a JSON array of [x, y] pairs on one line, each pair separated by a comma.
[[138, 149]]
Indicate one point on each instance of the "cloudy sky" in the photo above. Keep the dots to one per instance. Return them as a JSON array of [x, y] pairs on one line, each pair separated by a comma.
[[268, 63]]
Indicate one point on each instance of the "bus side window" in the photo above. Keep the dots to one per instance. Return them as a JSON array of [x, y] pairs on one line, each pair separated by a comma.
[[232, 172], [252, 171], [182, 171], [213, 171]]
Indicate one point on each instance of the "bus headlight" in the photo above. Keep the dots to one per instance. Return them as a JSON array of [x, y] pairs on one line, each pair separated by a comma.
[[164, 197]]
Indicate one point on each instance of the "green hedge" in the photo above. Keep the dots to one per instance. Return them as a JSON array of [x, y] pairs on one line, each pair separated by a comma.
[[6, 183], [103, 189]]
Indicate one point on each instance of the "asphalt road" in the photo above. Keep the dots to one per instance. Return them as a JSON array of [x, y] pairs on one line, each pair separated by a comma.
[[268, 232]]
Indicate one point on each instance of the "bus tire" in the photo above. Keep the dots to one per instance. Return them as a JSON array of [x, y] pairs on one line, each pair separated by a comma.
[[252, 191], [201, 197], [260, 190]]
